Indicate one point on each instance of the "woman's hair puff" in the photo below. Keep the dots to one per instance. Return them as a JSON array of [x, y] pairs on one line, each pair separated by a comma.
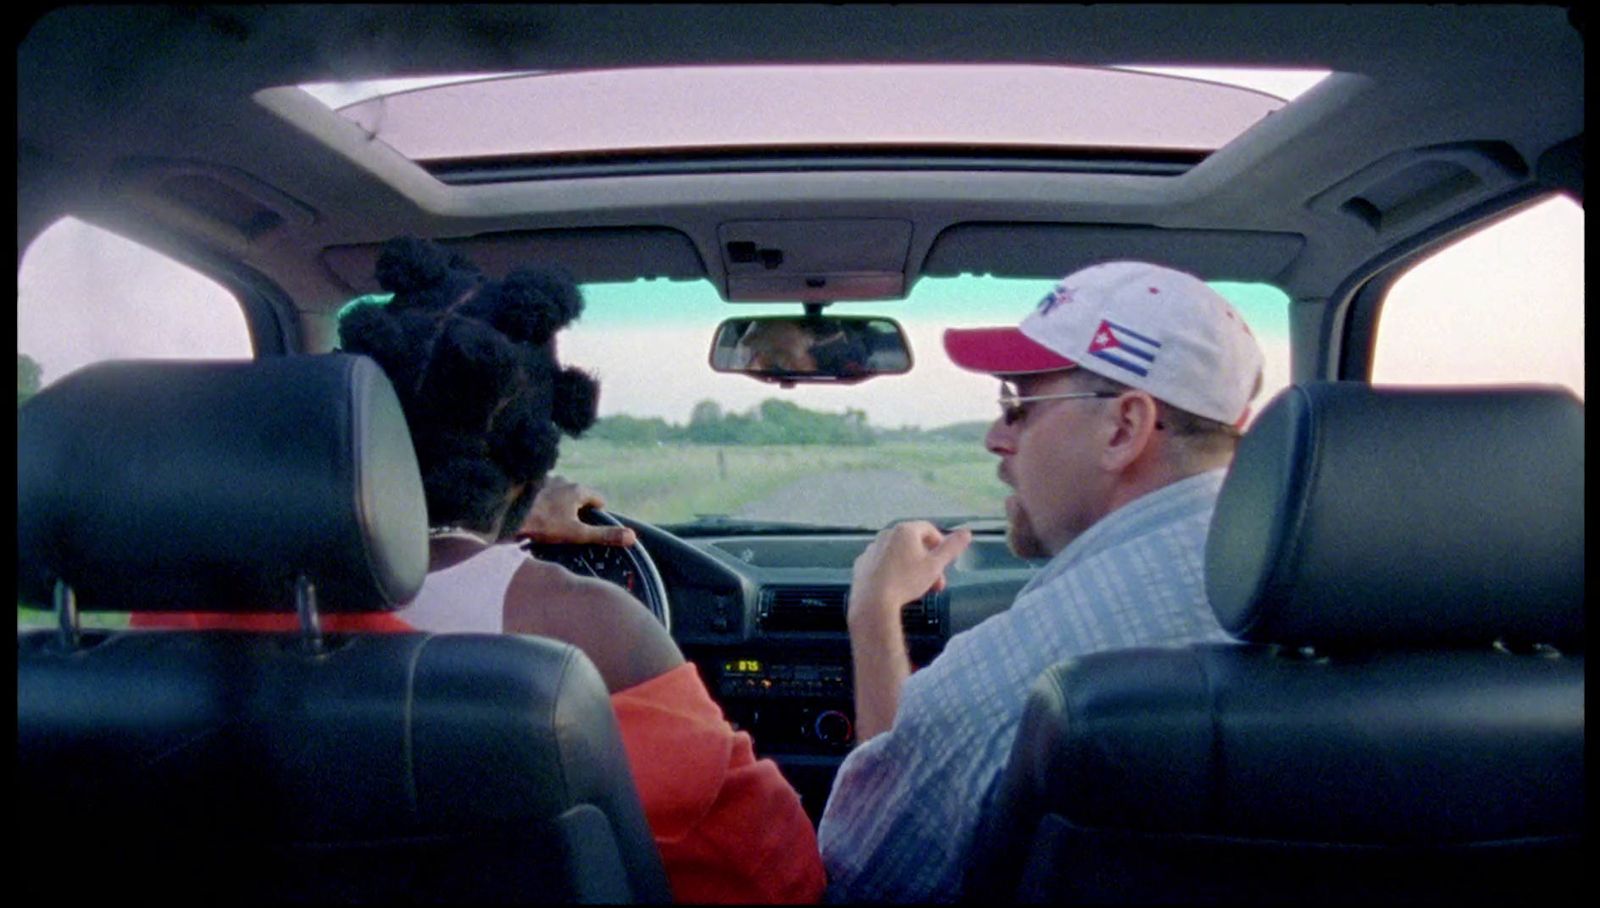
[[474, 364]]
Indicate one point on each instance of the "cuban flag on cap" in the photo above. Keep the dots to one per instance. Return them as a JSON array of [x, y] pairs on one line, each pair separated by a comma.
[[1124, 348]]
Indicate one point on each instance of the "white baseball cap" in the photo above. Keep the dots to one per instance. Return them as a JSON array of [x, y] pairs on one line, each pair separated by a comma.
[[1152, 328]]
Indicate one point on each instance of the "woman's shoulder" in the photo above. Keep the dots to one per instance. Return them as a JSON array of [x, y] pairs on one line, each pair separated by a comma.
[[616, 631], [555, 578], [539, 586]]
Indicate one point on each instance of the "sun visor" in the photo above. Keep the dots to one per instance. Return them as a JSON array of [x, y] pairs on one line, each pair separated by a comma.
[[1031, 250], [595, 255], [815, 260]]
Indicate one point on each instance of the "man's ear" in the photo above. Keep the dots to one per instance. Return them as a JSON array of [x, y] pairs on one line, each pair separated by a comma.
[[1134, 419]]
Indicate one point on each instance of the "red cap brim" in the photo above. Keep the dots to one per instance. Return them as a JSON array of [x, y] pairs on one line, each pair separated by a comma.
[[1001, 351]]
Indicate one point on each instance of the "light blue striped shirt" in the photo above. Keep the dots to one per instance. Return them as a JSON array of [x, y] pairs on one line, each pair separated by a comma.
[[904, 809]]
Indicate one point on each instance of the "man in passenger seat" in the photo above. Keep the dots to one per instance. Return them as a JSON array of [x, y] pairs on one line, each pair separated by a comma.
[[1122, 397], [473, 362]]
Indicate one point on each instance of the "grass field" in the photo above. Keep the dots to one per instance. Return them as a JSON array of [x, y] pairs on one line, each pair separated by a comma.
[[673, 483]]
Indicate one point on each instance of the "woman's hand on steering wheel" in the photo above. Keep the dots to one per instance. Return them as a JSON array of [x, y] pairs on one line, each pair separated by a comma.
[[553, 517]]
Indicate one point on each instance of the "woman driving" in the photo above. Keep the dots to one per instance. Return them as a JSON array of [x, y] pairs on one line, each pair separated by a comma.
[[473, 361]]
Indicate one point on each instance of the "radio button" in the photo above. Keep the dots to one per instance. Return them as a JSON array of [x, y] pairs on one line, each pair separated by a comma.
[[833, 727]]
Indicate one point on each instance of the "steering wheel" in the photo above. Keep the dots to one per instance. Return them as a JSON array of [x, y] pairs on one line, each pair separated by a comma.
[[629, 567]]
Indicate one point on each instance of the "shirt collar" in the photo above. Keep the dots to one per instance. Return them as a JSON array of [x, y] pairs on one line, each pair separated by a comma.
[[1145, 514]]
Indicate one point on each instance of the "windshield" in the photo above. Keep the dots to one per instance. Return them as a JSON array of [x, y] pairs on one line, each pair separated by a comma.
[[691, 449]]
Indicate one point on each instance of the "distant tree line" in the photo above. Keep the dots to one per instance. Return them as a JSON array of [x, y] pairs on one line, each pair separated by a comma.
[[771, 422]]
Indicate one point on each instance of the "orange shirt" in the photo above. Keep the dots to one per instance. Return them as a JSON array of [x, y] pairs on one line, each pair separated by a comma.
[[729, 827]]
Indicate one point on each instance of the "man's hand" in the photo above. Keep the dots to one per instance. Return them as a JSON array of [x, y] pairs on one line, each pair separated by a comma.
[[904, 562], [553, 517]]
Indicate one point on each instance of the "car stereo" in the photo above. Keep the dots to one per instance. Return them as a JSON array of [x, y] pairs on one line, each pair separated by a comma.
[[789, 707]]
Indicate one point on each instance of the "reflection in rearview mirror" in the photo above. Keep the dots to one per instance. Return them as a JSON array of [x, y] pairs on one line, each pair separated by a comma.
[[811, 348]]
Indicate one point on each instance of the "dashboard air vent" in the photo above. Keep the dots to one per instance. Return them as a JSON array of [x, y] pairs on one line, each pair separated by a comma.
[[813, 609]]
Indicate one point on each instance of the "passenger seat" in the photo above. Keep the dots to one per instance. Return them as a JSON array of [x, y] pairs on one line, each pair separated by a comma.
[[1404, 721]]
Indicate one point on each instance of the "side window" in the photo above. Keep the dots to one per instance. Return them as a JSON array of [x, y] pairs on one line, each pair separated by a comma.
[[1502, 306], [85, 295]]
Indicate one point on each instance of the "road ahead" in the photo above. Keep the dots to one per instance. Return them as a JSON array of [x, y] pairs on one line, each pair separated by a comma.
[[858, 498]]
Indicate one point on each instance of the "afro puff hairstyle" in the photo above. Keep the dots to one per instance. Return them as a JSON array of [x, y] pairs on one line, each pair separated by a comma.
[[474, 364]]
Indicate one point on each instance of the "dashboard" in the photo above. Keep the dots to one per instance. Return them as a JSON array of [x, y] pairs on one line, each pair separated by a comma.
[[763, 619]]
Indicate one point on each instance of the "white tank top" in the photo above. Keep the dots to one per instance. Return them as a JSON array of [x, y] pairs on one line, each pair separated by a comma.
[[469, 596]]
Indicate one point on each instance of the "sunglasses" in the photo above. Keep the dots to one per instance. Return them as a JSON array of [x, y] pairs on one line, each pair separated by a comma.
[[1014, 409]]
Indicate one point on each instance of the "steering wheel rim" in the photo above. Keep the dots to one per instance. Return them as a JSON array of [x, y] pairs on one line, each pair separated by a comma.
[[654, 592]]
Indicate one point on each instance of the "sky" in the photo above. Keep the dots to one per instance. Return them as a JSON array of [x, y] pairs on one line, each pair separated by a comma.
[[1457, 314], [637, 378]]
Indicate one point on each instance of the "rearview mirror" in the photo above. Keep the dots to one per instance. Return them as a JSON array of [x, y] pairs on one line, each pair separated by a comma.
[[811, 348]]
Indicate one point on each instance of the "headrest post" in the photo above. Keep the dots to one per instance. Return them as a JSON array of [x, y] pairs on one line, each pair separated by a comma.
[[305, 604], [66, 606]]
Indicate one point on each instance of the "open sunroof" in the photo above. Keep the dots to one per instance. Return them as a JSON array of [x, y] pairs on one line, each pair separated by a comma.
[[722, 110]]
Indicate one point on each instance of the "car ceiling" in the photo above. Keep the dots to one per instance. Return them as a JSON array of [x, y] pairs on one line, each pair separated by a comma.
[[142, 119]]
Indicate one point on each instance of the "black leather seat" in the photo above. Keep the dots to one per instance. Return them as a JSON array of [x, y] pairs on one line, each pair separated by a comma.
[[1405, 721], [226, 766]]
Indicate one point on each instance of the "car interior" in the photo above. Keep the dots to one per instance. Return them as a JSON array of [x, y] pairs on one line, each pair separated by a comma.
[[1402, 720]]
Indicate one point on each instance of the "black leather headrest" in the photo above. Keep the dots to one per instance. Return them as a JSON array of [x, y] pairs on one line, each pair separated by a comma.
[[210, 486], [1363, 517]]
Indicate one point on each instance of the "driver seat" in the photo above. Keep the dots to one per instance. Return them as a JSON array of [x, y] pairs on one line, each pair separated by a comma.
[[300, 766]]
